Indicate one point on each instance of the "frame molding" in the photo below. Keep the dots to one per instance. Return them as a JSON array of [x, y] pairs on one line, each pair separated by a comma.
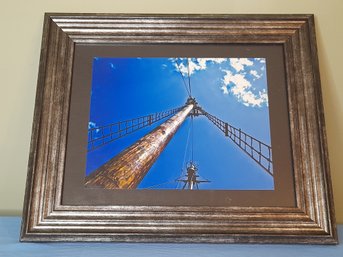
[[46, 219]]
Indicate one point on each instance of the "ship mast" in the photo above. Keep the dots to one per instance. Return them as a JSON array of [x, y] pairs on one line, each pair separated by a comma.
[[128, 168]]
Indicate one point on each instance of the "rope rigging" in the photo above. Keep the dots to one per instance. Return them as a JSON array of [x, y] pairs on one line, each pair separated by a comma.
[[102, 135], [258, 151], [189, 79], [161, 184], [187, 143], [185, 155], [183, 78], [192, 124], [190, 178]]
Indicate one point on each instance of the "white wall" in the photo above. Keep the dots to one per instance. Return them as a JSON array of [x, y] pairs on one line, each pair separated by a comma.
[[21, 30]]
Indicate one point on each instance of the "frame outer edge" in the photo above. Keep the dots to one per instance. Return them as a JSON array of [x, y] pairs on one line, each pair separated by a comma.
[[36, 125], [329, 200]]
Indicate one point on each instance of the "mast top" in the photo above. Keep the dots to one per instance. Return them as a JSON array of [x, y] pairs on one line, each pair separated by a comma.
[[191, 180]]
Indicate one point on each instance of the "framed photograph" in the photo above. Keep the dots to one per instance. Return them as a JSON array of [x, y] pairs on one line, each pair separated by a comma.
[[179, 128]]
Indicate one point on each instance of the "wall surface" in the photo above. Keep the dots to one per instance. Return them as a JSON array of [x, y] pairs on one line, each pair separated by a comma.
[[21, 29]]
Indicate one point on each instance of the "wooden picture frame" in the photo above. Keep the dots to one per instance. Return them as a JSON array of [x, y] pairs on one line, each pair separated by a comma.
[[47, 216]]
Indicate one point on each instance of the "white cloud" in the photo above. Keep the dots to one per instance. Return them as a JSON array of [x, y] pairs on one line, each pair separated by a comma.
[[225, 90], [255, 74], [195, 64], [184, 68], [250, 99], [239, 63], [239, 81], [234, 80], [202, 61], [242, 89], [264, 96], [261, 60], [92, 125]]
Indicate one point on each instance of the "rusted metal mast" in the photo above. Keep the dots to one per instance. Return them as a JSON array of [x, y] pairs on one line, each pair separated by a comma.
[[128, 168]]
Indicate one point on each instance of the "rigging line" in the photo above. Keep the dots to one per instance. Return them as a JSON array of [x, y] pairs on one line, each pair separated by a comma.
[[103, 135], [183, 79], [168, 182], [257, 150], [185, 155], [189, 78], [192, 138], [203, 178], [187, 143], [179, 181]]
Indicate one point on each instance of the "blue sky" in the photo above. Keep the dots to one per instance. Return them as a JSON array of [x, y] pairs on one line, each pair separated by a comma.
[[232, 89]]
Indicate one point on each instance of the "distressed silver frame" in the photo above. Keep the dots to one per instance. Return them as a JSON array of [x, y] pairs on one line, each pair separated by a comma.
[[46, 219]]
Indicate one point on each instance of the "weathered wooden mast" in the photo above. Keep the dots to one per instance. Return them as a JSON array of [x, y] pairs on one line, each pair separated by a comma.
[[129, 167]]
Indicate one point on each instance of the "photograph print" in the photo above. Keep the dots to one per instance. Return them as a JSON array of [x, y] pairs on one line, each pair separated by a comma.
[[179, 124]]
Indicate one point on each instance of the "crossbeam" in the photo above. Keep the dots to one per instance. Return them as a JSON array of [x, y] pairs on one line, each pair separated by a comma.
[[260, 152], [102, 135]]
